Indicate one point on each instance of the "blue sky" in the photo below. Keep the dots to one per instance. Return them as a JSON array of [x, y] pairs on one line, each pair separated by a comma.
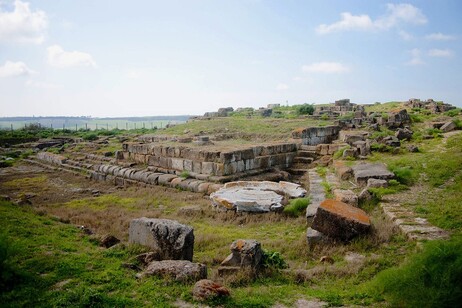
[[140, 58]]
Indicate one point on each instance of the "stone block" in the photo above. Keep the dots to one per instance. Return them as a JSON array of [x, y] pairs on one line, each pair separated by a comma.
[[346, 196], [208, 168], [169, 239], [340, 220], [448, 126], [177, 164], [165, 179], [178, 270], [244, 253]]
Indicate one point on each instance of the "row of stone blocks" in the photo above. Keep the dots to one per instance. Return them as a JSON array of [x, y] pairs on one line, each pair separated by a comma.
[[201, 155], [317, 135], [235, 163], [129, 176]]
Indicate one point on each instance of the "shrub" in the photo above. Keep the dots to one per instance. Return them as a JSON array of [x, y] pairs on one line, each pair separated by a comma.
[[273, 259], [453, 112], [184, 174], [404, 175], [431, 278], [90, 136], [305, 109], [296, 207]]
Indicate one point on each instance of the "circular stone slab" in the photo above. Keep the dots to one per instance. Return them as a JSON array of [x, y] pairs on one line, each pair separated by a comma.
[[255, 196], [247, 199]]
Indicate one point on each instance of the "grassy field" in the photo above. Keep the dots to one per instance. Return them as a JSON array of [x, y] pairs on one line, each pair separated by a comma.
[[47, 261]]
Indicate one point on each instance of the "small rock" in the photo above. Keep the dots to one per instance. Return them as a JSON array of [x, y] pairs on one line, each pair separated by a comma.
[[148, 257], [412, 148], [353, 257], [85, 230], [189, 211], [364, 196], [346, 196], [326, 259], [109, 241], [404, 134], [207, 289], [314, 237], [376, 183]]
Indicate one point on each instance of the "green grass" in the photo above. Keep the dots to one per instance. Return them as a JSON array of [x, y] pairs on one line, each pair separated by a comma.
[[271, 128], [437, 169], [296, 207], [430, 278]]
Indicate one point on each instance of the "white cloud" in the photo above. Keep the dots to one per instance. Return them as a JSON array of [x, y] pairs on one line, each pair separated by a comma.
[[57, 57], [282, 87], [405, 36], [14, 69], [41, 85], [325, 67], [440, 37], [443, 53], [416, 57], [396, 14], [22, 25], [347, 22]]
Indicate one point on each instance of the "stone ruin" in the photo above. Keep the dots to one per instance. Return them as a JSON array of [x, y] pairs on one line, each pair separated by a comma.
[[340, 108], [429, 104], [212, 164]]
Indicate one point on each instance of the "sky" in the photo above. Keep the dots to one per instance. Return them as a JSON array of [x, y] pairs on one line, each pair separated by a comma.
[[143, 58]]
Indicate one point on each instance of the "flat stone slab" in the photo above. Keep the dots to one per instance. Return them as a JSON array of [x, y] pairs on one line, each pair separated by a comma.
[[340, 220], [178, 270], [255, 196], [364, 171]]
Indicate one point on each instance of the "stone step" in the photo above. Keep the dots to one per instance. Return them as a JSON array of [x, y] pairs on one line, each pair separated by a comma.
[[303, 160], [311, 148], [311, 154]]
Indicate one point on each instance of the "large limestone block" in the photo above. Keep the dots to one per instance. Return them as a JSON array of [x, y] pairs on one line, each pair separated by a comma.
[[178, 270], [167, 238], [340, 220]]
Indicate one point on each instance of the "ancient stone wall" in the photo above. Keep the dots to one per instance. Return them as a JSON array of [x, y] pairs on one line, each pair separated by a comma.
[[317, 135], [211, 162]]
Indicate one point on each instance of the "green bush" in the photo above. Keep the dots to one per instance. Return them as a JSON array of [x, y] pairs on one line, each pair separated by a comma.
[[90, 136], [404, 175], [305, 109], [431, 278], [296, 207], [273, 259], [453, 112]]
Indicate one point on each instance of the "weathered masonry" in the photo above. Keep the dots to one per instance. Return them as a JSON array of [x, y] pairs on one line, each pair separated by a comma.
[[317, 135], [210, 162]]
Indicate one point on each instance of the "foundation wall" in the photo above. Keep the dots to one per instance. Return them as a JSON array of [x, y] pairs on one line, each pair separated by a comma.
[[211, 162], [317, 135]]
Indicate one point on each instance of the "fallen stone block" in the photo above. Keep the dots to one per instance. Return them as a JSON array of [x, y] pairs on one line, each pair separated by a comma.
[[340, 220], [244, 253], [364, 171], [448, 126], [376, 183], [314, 237], [168, 238], [178, 270]]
